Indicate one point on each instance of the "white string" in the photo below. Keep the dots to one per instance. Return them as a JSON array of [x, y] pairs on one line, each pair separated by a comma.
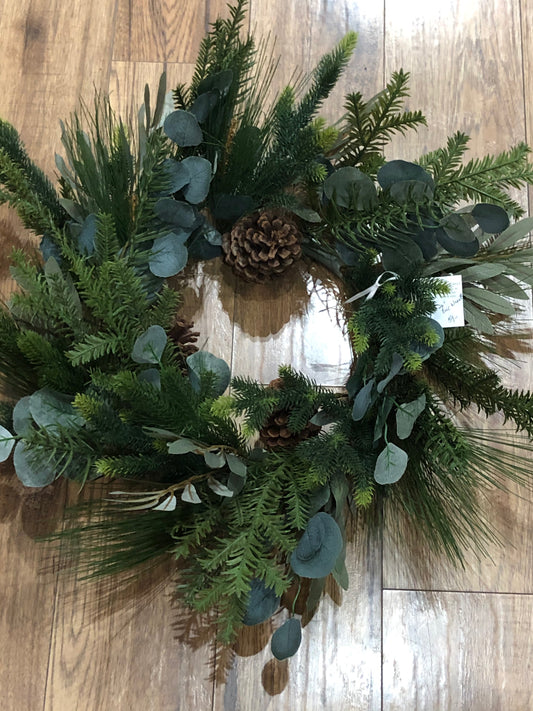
[[371, 291]]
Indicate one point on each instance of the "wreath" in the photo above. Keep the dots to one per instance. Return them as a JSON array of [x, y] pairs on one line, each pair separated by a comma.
[[251, 491]]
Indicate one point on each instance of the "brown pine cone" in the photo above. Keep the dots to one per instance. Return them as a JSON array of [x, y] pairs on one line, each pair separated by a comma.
[[183, 336], [276, 434], [262, 245]]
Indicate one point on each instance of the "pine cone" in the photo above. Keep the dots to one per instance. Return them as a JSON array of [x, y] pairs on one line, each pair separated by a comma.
[[261, 245], [183, 336], [276, 434]]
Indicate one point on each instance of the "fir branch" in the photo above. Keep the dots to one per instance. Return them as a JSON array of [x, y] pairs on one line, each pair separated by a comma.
[[370, 125]]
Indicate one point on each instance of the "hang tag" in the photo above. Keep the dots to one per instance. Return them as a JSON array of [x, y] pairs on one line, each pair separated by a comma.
[[450, 312]]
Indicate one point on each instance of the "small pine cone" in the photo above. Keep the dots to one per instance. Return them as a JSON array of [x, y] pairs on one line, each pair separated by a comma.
[[262, 245], [183, 336], [275, 433]]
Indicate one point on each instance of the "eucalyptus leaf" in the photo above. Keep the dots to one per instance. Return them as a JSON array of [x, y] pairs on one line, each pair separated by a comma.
[[231, 207], [397, 171], [32, 471], [512, 235], [491, 218], [50, 249], [168, 504], [383, 413], [72, 208], [199, 169], [322, 418], [402, 258], [149, 346], [426, 241], [390, 464], [340, 489], [316, 553], [177, 175], [340, 573], [236, 483], [220, 81], [214, 460], [351, 188], [7, 442], [177, 213], [168, 256], [190, 495], [152, 376], [411, 191], [395, 368], [204, 104], [85, 241], [182, 446], [203, 362], [236, 465], [219, 488], [456, 237], [407, 414], [488, 300], [286, 639], [52, 409], [363, 400], [319, 498], [316, 590], [22, 419], [160, 100], [183, 128], [262, 603]]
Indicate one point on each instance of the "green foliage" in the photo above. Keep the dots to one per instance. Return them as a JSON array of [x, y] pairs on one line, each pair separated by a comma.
[[369, 125], [484, 179], [25, 186]]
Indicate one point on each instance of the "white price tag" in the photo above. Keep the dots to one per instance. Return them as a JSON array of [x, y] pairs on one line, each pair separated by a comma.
[[450, 312]]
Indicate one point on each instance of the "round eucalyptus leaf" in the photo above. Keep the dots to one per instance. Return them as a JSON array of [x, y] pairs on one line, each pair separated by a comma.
[[363, 400], [262, 603], [425, 350], [351, 188], [426, 240], [396, 171], [286, 639], [200, 179], [402, 258], [204, 104], [319, 498], [49, 248], [411, 190], [176, 212], [491, 218], [456, 237], [236, 465], [85, 241], [215, 460], [149, 347], [177, 175], [22, 419], [407, 414], [319, 547], [182, 127], [203, 362], [221, 82], [49, 408], [31, 470], [7, 442], [390, 464], [169, 256], [152, 376]]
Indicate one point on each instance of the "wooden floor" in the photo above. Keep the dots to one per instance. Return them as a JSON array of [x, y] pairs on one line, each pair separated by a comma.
[[403, 640]]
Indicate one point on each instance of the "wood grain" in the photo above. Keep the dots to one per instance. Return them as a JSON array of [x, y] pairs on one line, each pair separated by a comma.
[[53, 54], [167, 31], [450, 651], [28, 589]]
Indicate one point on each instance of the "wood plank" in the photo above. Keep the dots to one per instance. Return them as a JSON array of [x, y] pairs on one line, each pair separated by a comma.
[[58, 53], [29, 573], [159, 32], [118, 644], [451, 651], [338, 665], [477, 48]]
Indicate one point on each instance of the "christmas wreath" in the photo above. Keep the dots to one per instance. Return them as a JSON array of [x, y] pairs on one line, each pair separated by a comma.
[[250, 491]]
